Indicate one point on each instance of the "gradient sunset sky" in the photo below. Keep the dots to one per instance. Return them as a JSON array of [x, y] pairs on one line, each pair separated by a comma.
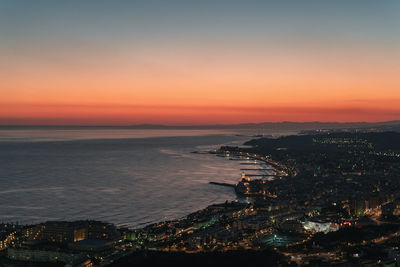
[[198, 62]]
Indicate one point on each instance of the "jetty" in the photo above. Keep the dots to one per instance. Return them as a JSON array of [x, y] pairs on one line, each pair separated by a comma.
[[223, 184], [267, 169]]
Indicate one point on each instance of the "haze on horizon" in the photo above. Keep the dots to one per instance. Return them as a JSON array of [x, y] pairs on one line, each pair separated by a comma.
[[198, 62]]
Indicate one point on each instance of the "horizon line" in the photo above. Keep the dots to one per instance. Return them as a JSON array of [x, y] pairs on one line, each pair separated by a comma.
[[200, 125]]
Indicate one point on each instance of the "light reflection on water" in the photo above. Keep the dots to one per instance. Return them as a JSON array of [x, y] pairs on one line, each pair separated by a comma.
[[130, 182]]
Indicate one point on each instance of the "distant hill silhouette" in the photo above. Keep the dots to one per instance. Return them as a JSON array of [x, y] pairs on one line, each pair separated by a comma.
[[285, 125]]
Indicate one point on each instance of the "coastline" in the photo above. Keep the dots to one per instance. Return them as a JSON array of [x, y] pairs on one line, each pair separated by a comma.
[[309, 209], [222, 151], [105, 179]]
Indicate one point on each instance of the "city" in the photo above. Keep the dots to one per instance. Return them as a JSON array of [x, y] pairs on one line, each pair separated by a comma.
[[199, 133], [333, 199]]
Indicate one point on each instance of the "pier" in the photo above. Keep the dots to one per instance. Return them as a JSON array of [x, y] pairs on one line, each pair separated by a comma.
[[223, 184], [262, 175], [268, 169]]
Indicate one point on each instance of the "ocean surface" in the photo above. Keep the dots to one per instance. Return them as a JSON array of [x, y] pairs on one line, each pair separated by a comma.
[[127, 177]]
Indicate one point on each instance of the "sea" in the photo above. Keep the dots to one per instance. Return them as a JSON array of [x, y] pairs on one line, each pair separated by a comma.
[[129, 177]]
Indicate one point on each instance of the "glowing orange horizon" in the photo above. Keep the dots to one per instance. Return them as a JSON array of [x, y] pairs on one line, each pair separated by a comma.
[[62, 114], [211, 87]]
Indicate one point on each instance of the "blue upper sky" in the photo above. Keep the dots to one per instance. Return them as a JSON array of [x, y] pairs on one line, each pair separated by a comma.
[[181, 21]]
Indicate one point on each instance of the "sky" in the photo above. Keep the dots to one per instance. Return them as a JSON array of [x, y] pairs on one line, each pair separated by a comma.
[[198, 62]]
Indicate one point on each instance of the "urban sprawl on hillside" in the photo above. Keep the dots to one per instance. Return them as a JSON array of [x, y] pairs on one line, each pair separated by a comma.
[[330, 197]]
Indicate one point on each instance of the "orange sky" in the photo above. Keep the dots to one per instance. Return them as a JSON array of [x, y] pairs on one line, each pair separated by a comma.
[[193, 77], [191, 89]]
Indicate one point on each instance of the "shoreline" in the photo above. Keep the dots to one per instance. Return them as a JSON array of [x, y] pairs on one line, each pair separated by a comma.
[[190, 194], [223, 150]]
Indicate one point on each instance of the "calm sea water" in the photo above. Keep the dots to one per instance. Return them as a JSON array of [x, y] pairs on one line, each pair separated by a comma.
[[127, 177]]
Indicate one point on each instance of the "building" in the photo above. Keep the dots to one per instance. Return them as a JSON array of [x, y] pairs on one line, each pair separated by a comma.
[[70, 259], [6, 239], [60, 232], [320, 226], [7, 235], [92, 246], [70, 232], [358, 207], [99, 230]]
